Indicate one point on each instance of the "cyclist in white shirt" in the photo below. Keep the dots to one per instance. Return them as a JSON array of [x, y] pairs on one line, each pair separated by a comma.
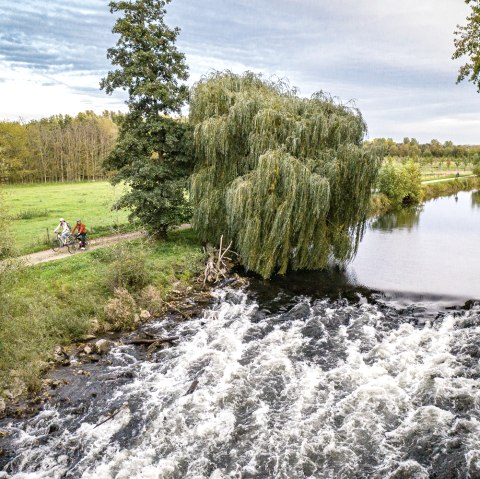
[[64, 229]]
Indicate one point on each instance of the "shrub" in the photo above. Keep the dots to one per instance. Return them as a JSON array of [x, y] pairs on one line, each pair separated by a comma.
[[476, 169], [401, 184], [151, 300], [121, 310], [25, 344], [129, 270], [30, 214], [70, 326]]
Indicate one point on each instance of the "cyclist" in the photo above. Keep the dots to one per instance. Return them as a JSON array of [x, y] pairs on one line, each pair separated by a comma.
[[82, 233], [64, 229]]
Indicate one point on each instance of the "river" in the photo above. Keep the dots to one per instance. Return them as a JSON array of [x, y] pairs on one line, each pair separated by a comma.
[[429, 250], [371, 372]]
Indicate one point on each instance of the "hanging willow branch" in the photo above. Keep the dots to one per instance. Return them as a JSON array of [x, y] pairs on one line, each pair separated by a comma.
[[286, 178]]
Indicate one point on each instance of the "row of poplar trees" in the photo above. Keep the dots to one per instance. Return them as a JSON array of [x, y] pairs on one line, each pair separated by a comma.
[[286, 179], [58, 148]]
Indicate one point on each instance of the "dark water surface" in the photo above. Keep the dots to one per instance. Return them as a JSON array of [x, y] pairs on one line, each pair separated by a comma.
[[310, 376], [433, 250]]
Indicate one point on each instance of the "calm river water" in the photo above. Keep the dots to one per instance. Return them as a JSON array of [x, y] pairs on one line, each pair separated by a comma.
[[431, 250], [318, 375]]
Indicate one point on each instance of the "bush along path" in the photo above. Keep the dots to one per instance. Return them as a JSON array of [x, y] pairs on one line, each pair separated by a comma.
[[381, 204]]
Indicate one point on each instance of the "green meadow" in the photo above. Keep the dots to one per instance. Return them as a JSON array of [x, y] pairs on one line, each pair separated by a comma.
[[36, 208]]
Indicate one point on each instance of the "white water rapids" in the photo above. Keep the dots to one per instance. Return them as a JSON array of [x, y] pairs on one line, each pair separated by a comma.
[[325, 390]]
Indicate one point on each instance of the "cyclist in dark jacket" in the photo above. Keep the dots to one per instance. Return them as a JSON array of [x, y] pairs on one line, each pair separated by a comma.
[[82, 233]]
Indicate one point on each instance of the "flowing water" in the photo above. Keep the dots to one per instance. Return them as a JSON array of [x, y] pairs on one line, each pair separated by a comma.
[[311, 376]]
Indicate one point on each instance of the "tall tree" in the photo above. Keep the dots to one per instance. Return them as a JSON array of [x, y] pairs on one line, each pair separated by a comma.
[[155, 159], [467, 43], [285, 178], [148, 156]]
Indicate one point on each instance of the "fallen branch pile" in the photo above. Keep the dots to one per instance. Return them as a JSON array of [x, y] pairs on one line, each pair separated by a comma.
[[218, 264]]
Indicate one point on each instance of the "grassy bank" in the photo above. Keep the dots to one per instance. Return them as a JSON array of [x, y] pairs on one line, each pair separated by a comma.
[[98, 291], [37, 207], [380, 204], [445, 188]]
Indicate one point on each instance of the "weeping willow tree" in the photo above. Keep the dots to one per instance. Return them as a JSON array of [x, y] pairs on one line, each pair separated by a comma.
[[285, 178]]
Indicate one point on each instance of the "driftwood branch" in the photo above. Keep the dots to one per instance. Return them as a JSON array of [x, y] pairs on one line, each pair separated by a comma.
[[110, 416], [153, 340]]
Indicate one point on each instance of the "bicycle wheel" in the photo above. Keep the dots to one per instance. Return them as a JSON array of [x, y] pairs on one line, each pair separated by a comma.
[[72, 244], [56, 244]]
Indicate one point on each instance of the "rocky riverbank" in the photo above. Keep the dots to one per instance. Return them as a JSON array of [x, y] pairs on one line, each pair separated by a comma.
[[67, 363], [54, 314]]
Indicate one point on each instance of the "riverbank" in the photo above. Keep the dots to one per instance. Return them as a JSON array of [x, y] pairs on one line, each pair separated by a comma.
[[99, 294], [96, 294], [445, 188], [380, 204]]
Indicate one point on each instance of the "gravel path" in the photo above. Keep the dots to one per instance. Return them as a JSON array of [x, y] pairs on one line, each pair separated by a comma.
[[49, 255], [446, 179]]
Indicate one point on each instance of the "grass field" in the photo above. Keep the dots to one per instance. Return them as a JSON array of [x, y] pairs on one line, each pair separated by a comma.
[[38, 207]]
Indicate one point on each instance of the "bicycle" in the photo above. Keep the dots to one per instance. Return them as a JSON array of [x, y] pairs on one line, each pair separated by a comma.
[[58, 243], [74, 243]]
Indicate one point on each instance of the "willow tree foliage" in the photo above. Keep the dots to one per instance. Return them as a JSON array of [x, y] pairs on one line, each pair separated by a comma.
[[285, 178], [467, 43], [152, 154]]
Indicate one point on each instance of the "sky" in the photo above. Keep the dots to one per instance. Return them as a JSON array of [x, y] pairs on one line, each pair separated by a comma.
[[392, 58]]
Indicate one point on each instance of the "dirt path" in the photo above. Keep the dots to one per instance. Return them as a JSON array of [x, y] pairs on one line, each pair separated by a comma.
[[49, 255], [446, 179]]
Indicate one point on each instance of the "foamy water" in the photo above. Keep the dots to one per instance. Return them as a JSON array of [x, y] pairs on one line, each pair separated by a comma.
[[325, 390]]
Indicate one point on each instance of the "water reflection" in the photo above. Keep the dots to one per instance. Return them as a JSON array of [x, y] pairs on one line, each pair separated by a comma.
[[406, 218], [282, 292], [476, 199]]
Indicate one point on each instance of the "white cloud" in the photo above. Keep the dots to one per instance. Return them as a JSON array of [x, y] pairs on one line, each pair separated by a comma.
[[26, 94], [392, 57]]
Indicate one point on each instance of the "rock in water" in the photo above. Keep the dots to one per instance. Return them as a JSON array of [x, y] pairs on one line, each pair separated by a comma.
[[102, 346]]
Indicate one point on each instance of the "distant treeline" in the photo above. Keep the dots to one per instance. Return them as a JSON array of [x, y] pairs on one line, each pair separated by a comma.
[[58, 148], [411, 148], [66, 148]]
